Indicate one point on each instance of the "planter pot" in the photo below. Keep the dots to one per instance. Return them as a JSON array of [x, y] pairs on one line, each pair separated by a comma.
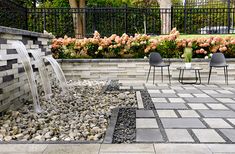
[[188, 65]]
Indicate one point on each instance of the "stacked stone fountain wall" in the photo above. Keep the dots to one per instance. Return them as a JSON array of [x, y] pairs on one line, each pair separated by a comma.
[[14, 88]]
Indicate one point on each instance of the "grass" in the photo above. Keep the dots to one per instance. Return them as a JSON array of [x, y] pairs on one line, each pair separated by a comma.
[[201, 35], [205, 35]]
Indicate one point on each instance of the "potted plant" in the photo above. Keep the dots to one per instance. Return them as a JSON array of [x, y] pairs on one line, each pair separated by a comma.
[[188, 57]]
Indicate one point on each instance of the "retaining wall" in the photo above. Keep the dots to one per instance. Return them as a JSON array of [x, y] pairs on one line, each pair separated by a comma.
[[14, 88], [136, 69]]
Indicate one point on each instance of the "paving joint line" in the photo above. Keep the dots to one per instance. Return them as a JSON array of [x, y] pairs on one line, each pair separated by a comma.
[[160, 126], [192, 134], [177, 113], [230, 123], [226, 139]]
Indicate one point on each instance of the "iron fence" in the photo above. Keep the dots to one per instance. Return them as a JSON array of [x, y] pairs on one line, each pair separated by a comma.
[[154, 21], [107, 20]]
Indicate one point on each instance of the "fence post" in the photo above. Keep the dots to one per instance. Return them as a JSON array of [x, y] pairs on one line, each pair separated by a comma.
[[172, 17], [229, 14], [44, 19], [26, 18], [126, 18], [94, 19], [185, 17]]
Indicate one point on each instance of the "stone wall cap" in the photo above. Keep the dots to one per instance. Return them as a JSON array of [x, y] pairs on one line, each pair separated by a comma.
[[134, 60], [15, 31]]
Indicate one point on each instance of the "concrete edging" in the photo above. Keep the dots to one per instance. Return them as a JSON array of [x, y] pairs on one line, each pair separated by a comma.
[[110, 130]]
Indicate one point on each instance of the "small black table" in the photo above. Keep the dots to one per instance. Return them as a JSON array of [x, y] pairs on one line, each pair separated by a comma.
[[197, 75]]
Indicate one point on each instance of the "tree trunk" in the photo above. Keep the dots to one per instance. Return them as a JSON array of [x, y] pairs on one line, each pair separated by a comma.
[[78, 18], [82, 4], [165, 13]]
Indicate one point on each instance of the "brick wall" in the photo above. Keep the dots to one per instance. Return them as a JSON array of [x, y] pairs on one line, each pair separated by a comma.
[[14, 88], [136, 69]]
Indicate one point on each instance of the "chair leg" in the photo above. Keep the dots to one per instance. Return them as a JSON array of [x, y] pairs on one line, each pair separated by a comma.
[[169, 75], [227, 73], [153, 74], [209, 75], [162, 73], [148, 74]]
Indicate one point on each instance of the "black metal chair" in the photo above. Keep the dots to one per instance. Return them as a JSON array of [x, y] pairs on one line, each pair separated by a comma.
[[218, 60], [155, 60]]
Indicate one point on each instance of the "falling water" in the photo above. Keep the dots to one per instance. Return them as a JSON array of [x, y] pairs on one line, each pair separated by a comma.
[[24, 57], [58, 71], [43, 73]]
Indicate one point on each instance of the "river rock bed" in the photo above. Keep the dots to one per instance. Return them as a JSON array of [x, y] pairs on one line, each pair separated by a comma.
[[147, 101], [81, 114]]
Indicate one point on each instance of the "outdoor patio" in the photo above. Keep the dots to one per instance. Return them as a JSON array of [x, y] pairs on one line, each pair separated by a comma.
[[186, 114], [117, 77], [178, 119]]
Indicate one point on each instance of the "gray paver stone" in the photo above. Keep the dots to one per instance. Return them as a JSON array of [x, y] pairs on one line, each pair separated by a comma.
[[182, 149], [226, 100], [185, 95], [217, 106], [222, 148], [230, 133], [163, 95], [146, 123], [232, 106], [176, 100], [170, 106], [223, 96], [166, 113], [208, 135], [200, 100], [159, 100], [189, 91], [182, 123], [148, 135], [188, 113], [217, 113], [197, 106], [178, 135], [232, 121], [144, 114], [217, 123]]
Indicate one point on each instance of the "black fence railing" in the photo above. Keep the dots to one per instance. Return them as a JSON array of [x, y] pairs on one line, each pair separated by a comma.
[[204, 20], [155, 21], [134, 20], [105, 20]]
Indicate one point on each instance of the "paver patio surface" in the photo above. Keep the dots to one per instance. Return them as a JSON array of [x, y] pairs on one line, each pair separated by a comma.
[[189, 114], [177, 124]]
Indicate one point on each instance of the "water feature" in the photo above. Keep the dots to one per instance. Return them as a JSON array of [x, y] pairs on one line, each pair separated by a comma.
[[58, 71], [43, 73], [24, 57]]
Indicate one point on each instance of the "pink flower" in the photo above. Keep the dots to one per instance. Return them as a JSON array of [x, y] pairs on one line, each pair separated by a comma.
[[233, 41]]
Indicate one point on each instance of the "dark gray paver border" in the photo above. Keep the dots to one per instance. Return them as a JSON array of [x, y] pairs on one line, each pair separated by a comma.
[[110, 130]]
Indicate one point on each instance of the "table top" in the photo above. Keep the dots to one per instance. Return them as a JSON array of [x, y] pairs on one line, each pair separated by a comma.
[[191, 68]]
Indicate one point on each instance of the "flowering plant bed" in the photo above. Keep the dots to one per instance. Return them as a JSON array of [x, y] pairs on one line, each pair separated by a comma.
[[140, 45]]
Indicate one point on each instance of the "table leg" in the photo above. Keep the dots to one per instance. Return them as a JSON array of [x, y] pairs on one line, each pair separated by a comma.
[[196, 76], [182, 77], [199, 77], [179, 79]]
